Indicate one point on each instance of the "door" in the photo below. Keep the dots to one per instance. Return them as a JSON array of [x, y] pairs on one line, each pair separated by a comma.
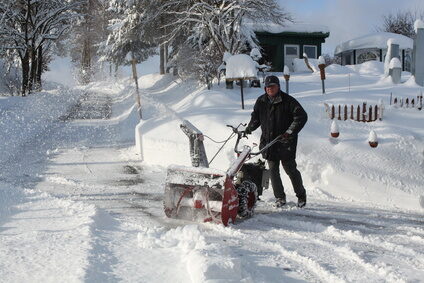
[[291, 52]]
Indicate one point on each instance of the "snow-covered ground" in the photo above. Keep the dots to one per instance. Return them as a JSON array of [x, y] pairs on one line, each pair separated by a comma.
[[76, 203]]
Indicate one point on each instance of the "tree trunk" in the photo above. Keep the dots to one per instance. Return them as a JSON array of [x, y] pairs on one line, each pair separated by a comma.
[[33, 69], [39, 68], [135, 77], [86, 62], [25, 73], [162, 59], [166, 59]]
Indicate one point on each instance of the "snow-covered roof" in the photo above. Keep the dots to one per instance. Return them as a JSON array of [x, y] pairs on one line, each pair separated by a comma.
[[288, 27], [240, 66], [375, 40]]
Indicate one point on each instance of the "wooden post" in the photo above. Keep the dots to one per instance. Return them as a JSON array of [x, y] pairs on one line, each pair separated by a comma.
[[339, 117], [345, 112], [351, 112], [370, 114], [375, 113], [413, 103], [395, 101], [364, 111], [407, 102], [401, 102], [358, 111], [242, 97], [333, 114], [391, 94]]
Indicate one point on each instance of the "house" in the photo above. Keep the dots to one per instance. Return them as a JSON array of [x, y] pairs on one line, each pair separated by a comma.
[[374, 47], [281, 44]]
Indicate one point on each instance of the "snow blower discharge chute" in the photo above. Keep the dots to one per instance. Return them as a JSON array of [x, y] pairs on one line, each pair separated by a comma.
[[200, 193]]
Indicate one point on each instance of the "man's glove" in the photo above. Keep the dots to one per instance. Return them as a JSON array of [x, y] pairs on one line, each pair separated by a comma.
[[246, 132]]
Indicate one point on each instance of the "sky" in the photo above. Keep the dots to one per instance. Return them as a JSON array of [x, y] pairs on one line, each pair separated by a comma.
[[346, 19]]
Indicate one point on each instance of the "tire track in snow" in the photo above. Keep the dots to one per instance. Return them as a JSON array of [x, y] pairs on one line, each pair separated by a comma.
[[326, 235]]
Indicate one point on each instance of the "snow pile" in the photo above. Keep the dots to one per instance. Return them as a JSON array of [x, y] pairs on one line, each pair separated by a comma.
[[375, 40], [240, 66], [418, 24], [286, 70], [395, 63], [299, 65], [200, 257], [369, 68], [255, 54]]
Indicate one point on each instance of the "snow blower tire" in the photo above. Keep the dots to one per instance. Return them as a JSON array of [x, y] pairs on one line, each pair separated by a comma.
[[248, 194]]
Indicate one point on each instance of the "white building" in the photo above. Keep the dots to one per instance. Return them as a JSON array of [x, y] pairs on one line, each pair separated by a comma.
[[374, 47]]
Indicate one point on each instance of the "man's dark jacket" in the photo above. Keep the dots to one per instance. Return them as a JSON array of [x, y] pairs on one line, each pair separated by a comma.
[[283, 114]]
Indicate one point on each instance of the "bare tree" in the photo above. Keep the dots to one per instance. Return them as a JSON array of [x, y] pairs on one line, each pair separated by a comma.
[[401, 22]]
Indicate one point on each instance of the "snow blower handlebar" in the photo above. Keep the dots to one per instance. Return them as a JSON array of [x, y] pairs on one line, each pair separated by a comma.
[[242, 134]]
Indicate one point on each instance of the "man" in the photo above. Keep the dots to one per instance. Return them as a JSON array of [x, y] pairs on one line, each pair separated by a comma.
[[280, 114]]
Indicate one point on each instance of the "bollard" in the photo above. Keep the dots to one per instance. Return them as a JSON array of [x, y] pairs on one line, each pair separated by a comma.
[[372, 139], [334, 131]]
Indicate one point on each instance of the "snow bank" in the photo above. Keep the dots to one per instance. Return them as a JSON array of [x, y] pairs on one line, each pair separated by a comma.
[[299, 65], [375, 40], [240, 66], [370, 68]]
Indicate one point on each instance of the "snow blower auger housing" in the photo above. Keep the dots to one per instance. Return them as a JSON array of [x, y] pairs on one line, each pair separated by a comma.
[[210, 195]]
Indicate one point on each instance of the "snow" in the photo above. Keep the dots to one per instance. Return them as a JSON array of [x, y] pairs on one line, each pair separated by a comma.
[[418, 24], [286, 70], [240, 66], [395, 63], [321, 60], [78, 205], [255, 54], [300, 27], [372, 137], [299, 65], [375, 40], [334, 127]]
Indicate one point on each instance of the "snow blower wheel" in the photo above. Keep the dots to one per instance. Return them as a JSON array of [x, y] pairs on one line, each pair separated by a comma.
[[247, 194]]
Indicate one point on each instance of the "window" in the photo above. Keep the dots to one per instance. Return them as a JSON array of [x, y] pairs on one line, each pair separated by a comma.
[[291, 50], [366, 56], [310, 50]]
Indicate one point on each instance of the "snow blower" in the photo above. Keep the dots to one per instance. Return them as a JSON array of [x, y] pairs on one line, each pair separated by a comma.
[[200, 193]]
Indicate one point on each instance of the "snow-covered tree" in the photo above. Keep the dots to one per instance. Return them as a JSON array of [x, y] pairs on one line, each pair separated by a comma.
[[208, 28], [130, 40], [88, 31], [28, 31]]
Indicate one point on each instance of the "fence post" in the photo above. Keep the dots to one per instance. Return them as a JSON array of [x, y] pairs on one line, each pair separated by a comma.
[[370, 114], [339, 117], [358, 111], [391, 94], [351, 112], [395, 101], [345, 112], [375, 113], [364, 111], [407, 102], [332, 112]]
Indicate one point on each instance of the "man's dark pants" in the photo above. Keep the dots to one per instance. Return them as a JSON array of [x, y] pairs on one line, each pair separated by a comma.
[[292, 172]]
